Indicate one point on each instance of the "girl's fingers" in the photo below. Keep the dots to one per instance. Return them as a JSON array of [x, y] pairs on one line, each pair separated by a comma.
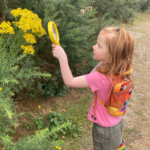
[[53, 45]]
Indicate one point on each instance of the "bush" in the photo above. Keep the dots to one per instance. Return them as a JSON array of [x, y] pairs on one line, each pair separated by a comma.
[[78, 33], [122, 10], [39, 141], [17, 70], [144, 5]]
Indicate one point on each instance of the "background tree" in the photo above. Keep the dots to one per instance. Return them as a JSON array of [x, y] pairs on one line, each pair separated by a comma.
[[122, 10]]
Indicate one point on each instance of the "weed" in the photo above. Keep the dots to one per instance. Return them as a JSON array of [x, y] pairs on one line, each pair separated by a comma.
[[39, 122], [27, 125], [56, 119], [50, 89]]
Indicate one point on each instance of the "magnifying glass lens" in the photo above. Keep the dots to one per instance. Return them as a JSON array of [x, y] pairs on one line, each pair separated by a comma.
[[54, 32]]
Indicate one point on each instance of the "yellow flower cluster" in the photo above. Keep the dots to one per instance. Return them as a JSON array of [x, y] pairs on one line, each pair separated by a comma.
[[0, 88], [5, 27], [58, 147], [28, 21], [30, 38], [28, 49]]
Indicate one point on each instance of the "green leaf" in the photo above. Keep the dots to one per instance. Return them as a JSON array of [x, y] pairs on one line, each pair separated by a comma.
[[55, 121], [39, 126], [48, 93], [52, 120], [30, 116], [75, 134]]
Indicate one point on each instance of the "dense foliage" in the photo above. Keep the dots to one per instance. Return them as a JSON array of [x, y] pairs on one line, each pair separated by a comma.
[[18, 70], [144, 5], [78, 33], [122, 10]]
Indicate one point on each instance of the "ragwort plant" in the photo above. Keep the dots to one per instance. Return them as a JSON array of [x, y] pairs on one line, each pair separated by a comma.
[[17, 70]]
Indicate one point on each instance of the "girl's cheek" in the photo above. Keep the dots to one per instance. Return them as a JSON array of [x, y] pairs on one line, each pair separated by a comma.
[[104, 55]]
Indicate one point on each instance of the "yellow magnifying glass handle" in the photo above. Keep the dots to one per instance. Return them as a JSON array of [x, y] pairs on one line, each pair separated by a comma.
[[53, 33]]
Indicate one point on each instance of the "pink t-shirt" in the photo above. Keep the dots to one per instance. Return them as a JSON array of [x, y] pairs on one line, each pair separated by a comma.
[[99, 83]]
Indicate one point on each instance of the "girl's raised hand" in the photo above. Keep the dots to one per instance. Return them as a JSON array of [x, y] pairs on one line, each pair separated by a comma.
[[58, 52], [67, 76]]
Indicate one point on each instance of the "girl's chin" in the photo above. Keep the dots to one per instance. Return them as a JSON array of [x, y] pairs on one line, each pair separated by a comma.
[[95, 57]]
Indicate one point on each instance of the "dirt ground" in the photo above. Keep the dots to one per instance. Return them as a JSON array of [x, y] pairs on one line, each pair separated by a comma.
[[137, 119]]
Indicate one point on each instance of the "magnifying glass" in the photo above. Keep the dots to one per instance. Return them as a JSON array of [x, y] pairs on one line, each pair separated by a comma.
[[53, 33]]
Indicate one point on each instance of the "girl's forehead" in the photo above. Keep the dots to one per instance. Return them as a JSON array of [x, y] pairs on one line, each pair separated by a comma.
[[101, 38]]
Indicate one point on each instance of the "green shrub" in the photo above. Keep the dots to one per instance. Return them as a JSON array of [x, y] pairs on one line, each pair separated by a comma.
[[122, 10], [78, 33], [144, 5], [17, 70], [39, 141]]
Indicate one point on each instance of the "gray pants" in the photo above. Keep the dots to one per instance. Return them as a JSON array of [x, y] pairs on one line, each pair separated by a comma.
[[107, 138]]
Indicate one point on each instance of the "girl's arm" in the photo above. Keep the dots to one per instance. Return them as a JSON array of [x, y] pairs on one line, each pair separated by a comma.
[[69, 80]]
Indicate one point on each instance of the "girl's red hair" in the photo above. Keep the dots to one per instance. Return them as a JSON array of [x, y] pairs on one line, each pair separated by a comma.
[[120, 46]]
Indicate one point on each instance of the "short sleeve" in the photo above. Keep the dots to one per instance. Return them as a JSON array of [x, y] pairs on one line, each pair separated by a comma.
[[97, 81]]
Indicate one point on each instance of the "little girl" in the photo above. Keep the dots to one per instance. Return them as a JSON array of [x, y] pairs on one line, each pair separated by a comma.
[[114, 50]]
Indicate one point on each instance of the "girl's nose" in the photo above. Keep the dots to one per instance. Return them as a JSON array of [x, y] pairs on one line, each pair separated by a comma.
[[93, 47]]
